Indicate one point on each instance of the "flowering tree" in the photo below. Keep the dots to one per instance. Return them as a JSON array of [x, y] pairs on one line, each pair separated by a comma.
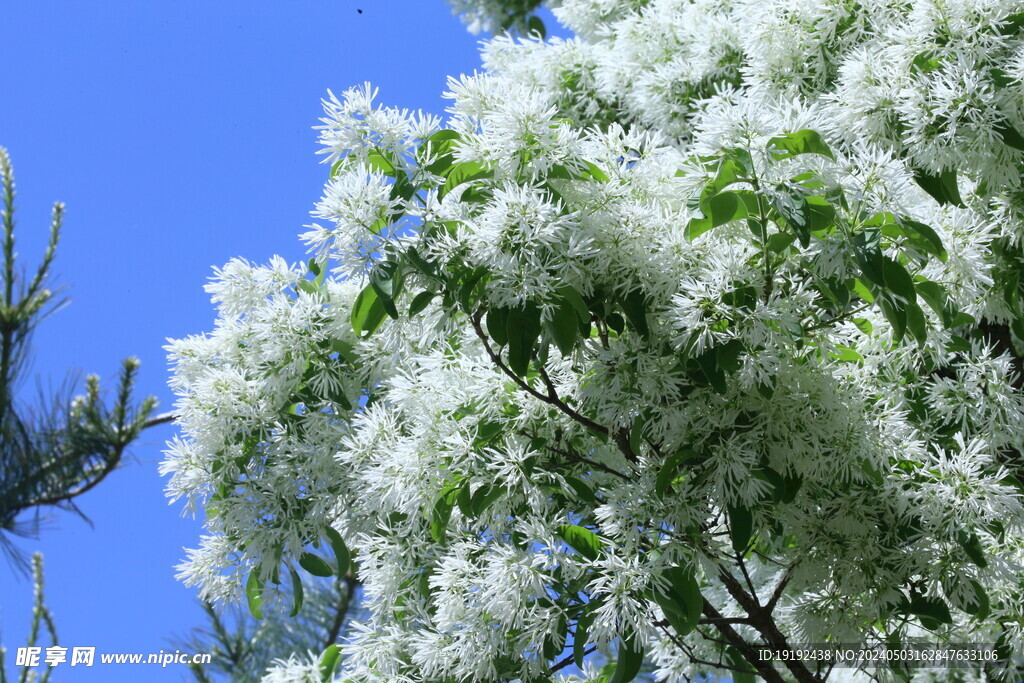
[[696, 334]]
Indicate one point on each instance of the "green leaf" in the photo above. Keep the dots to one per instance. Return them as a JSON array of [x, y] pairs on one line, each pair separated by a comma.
[[979, 607], [315, 565], [487, 432], [438, 147], [483, 497], [1004, 650], [930, 609], [581, 489], [897, 317], [741, 527], [471, 288], [462, 173], [857, 286], [864, 325], [465, 498], [1010, 136], [708, 363], [869, 258], [962, 318], [730, 170], [1012, 24], [420, 263], [727, 355], [564, 327], [925, 62], [341, 551], [421, 301], [616, 323], [583, 624], [916, 323], [297, 594], [937, 299], [583, 541], [801, 142], [794, 211], [523, 329], [254, 593], [443, 512], [314, 267], [925, 239], [805, 214], [497, 325], [667, 473], [569, 294], [942, 187], [329, 662], [594, 171], [834, 290], [630, 659], [476, 195], [779, 242], [634, 305], [729, 206], [743, 671], [681, 601], [636, 434], [384, 279], [367, 312], [560, 172], [820, 213], [536, 26], [792, 487], [972, 546], [720, 209], [383, 161], [444, 135], [554, 643], [896, 279]]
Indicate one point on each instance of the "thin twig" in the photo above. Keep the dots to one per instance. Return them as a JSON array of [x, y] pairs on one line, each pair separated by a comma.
[[569, 660], [575, 457], [556, 402], [161, 419]]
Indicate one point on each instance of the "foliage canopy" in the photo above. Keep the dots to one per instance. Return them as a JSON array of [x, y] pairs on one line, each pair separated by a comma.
[[695, 334]]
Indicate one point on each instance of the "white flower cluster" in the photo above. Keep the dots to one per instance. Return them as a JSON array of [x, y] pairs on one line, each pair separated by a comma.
[[625, 323]]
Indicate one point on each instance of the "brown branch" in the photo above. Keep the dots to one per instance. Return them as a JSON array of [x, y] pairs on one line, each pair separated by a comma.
[[746, 577], [765, 669], [105, 469], [576, 457], [779, 589], [161, 419], [342, 611], [727, 620], [552, 401], [762, 620], [569, 660]]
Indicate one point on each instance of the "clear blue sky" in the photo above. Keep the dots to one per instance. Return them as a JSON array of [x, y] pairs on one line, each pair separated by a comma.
[[179, 136]]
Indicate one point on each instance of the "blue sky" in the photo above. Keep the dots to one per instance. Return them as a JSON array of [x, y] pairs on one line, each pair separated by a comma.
[[179, 136]]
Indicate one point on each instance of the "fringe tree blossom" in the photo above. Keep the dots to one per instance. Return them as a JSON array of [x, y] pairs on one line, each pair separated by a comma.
[[695, 334]]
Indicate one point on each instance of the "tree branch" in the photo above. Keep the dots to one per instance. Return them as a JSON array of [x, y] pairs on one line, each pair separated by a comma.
[[161, 419], [765, 669], [551, 399], [762, 620]]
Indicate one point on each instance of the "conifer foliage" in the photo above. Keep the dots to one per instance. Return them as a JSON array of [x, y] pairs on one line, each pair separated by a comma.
[[58, 449]]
